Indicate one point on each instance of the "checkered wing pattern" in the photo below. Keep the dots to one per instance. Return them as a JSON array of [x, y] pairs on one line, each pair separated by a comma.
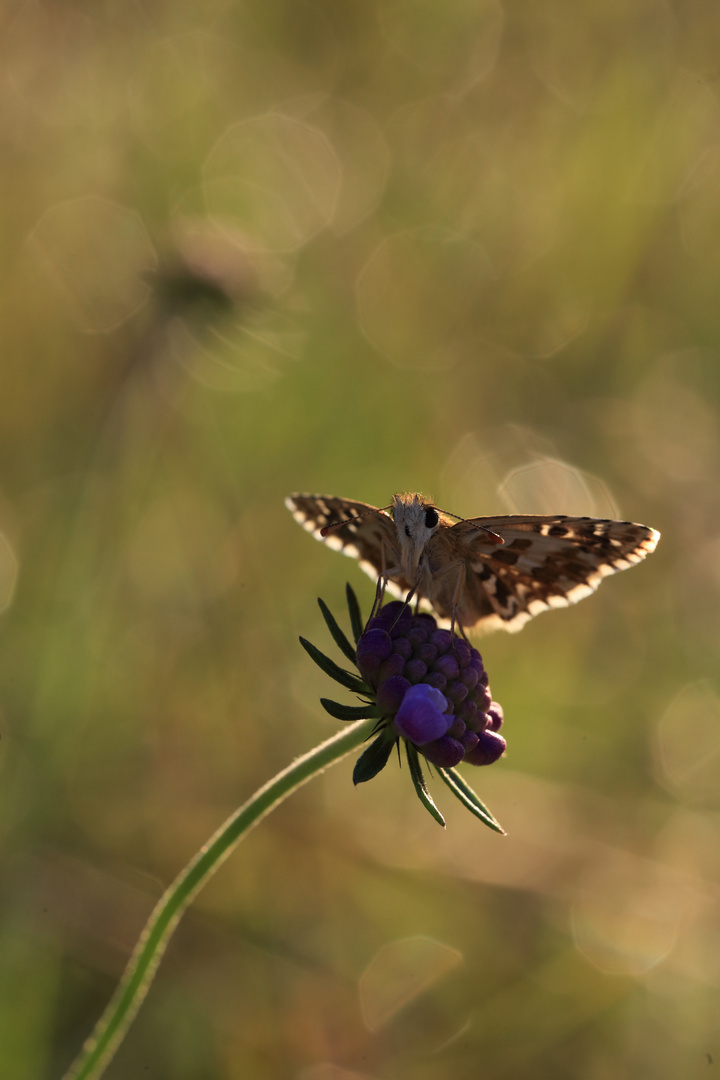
[[371, 539], [544, 562]]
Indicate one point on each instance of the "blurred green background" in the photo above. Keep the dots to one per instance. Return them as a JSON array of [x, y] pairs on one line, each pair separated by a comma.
[[251, 248]]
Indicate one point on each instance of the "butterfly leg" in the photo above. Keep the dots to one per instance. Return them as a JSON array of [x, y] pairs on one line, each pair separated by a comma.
[[459, 586], [443, 600], [380, 590], [383, 578], [408, 598], [379, 594]]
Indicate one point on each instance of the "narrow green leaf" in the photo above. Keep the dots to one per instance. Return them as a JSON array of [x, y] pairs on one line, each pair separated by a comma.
[[354, 611], [462, 791], [420, 787], [338, 636], [349, 712], [375, 758], [345, 678], [462, 783]]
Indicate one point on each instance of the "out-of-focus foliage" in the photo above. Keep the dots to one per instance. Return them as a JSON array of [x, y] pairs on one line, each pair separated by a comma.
[[250, 248]]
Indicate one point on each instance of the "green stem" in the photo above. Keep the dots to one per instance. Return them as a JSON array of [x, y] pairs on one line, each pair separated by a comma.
[[120, 1012]]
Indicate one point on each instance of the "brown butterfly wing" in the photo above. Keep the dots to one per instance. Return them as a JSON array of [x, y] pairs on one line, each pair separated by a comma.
[[371, 540], [545, 562]]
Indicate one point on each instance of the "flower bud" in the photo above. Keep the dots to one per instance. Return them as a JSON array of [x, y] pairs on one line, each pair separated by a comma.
[[421, 716], [490, 746], [445, 752], [391, 693], [373, 647]]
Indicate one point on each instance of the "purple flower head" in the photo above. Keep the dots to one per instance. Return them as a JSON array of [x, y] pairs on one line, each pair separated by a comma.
[[420, 687], [432, 686]]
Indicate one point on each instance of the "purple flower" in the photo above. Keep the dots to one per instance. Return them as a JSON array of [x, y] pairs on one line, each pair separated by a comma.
[[420, 686], [432, 686]]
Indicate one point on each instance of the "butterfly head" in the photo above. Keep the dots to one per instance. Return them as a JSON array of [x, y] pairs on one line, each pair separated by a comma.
[[416, 521]]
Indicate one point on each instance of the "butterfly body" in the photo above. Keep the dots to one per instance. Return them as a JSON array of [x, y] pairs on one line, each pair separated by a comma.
[[485, 573]]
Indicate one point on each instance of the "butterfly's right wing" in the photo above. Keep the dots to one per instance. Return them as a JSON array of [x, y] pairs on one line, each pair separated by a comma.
[[545, 562], [372, 540]]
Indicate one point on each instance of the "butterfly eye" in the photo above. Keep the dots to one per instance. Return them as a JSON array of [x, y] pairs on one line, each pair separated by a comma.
[[431, 518]]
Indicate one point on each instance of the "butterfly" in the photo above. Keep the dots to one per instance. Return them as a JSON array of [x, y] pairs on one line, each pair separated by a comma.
[[484, 573]]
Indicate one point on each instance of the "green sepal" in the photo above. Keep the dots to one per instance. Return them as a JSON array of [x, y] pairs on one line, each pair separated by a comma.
[[420, 786], [345, 678], [354, 611], [350, 712], [338, 636], [462, 791], [375, 758]]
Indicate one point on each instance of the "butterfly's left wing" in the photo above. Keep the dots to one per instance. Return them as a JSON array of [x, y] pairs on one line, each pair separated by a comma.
[[371, 539], [545, 562]]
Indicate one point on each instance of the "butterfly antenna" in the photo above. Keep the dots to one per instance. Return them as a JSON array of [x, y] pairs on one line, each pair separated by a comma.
[[347, 521], [497, 539]]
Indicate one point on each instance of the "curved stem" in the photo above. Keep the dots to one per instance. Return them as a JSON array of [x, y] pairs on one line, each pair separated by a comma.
[[125, 1002]]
